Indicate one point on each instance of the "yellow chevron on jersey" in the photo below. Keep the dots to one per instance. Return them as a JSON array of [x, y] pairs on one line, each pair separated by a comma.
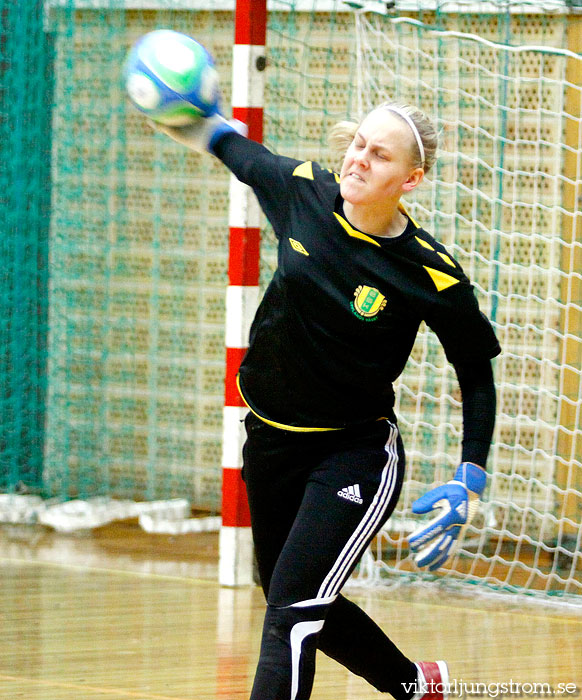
[[336, 175], [428, 246], [404, 210], [424, 244], [354, 233], [448, 260], [304, 170], [441, 279], [298, 247]]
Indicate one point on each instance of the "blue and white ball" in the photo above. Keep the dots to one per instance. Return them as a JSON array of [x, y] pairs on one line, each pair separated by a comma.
[[171, 78]]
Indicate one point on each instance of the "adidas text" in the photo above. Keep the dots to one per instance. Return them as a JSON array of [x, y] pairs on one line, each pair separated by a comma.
[[352, 493]]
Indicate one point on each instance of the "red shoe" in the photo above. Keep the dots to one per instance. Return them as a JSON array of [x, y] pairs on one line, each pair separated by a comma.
[[433, 680]]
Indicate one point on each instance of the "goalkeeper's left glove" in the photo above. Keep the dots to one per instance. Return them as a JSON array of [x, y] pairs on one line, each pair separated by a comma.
[[457, 501]]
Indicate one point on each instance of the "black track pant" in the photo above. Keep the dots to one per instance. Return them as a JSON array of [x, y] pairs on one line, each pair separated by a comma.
[[317, 500]]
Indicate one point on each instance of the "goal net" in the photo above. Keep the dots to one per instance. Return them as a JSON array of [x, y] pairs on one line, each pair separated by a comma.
[[504, 90], [114, 258], [503, 83]]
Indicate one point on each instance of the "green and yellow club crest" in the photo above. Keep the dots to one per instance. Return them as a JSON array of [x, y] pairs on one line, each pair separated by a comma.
[[368, 302]]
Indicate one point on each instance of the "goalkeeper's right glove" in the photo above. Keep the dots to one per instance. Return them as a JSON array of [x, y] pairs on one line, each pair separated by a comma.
[[457, 501], [203, 134]]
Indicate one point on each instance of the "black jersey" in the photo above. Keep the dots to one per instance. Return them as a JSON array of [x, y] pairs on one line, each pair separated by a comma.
[[338, 321]]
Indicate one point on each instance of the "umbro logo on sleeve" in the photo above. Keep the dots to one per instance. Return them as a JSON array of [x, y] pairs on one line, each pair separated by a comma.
[[298, 247], [351, 493]]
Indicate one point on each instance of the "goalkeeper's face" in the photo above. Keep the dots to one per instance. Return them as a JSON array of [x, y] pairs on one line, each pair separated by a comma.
[[378, 167]]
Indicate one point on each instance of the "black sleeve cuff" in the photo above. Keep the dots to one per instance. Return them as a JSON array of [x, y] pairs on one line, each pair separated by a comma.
[[479, 406]]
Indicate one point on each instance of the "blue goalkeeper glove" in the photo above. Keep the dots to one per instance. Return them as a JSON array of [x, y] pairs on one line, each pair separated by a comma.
[[457, 501], [203, 134]]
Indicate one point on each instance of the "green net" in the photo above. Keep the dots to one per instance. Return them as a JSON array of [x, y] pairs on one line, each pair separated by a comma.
[[138, 271], [25, 189], [113, 290], [130, 328]]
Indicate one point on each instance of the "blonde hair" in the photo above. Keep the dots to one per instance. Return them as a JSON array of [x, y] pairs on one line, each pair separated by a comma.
[[342, 134]]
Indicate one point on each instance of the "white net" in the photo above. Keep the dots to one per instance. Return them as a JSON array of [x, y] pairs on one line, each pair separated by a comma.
[[130, 321], [503, 198]]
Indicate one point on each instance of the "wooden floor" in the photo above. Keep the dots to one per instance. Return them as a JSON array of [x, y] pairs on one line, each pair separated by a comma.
[[121, 615]]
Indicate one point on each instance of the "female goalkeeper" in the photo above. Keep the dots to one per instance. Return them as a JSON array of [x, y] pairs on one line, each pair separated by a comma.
[[323, 460]]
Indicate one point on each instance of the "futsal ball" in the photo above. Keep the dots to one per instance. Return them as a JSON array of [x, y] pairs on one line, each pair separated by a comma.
[[171, 78]]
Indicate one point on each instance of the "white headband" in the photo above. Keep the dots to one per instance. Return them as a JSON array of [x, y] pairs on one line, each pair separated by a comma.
[[412, 125]]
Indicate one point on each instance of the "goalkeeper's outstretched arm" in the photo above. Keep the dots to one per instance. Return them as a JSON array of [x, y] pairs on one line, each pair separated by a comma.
[[253, 164], [249, 161]]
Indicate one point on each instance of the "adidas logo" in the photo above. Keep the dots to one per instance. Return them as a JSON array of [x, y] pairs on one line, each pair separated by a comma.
[[351, 493]]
